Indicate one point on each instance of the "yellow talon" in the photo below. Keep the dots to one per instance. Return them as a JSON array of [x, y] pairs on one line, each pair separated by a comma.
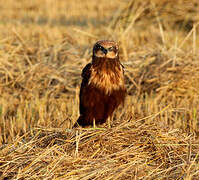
[[94, 123]]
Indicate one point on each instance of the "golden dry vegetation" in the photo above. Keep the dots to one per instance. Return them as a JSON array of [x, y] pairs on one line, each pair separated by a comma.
[[44, 44]]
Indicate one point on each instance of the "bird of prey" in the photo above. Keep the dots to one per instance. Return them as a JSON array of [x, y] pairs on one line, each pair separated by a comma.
[[102, 88]]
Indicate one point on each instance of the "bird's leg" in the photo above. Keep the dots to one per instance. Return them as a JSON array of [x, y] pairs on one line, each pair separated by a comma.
[[94, 123], [109, 121]]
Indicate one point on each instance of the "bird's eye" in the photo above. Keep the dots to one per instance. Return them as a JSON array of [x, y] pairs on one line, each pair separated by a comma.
[[111, 49], [99, 47]]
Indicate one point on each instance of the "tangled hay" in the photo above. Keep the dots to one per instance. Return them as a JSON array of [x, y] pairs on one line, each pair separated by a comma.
[[127, 151]]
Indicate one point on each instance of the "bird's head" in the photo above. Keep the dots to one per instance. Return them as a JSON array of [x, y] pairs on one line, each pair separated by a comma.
[[105, 49]]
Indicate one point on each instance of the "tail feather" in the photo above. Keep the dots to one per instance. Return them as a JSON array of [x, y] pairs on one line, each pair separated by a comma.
[[83, 121], [80, 120]]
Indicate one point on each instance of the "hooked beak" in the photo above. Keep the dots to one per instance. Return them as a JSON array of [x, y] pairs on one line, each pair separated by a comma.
[[104, 51]]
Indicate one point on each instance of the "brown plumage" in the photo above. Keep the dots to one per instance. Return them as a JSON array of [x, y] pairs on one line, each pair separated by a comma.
[[102, 88]]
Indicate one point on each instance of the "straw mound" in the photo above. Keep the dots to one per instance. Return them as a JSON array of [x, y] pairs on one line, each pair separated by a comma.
[[126, 151], [166, 75]]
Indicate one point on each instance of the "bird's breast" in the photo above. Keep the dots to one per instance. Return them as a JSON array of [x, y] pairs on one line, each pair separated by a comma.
[[107, 79]]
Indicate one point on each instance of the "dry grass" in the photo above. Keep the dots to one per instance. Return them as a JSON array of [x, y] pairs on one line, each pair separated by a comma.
[[43, 47]]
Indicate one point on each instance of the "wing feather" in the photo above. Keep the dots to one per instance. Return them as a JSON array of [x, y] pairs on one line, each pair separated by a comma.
[[86, 73]]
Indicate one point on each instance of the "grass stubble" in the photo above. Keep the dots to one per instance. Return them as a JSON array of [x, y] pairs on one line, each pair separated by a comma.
[[43, 47]]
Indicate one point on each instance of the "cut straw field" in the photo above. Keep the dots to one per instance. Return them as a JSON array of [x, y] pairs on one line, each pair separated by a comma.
[[44, 44]]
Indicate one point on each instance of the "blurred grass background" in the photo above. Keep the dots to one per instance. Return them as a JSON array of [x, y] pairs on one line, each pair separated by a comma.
[[44, 45]]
